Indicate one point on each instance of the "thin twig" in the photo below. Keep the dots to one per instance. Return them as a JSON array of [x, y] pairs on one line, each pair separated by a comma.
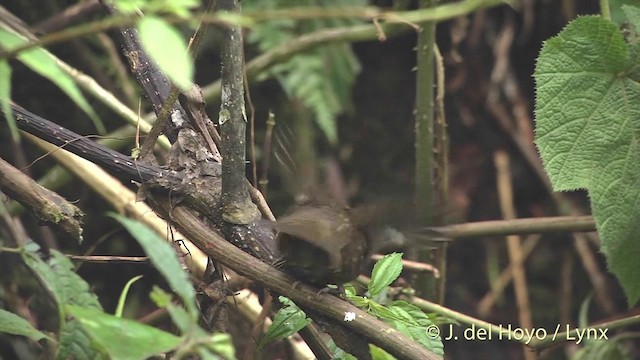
[[505, 193], [498, 285], [109, 259], [517, 227]]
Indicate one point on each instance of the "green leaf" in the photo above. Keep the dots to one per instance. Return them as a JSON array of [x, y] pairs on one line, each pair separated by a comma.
[[129, 6], [13, 324], [166, 46], [164, 259], [5, 98], [413, 322], [320, 78], [57, 276], [180, 317], [76, 343], [124, 338], [632, 13], [222, 345], [45, 64], [123, 295], [617, 10], [289, 320], [385, 272], [587, 121], [337, 353], [379, 354]]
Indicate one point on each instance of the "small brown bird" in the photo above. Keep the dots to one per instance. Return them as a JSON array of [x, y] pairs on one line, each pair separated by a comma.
[[321, 244], [328, 244]]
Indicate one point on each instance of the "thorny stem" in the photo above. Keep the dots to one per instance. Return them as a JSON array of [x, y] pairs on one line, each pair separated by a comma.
[[424, 187]]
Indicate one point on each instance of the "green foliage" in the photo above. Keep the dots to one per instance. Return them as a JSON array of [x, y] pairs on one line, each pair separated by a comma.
[[596, 349], [288, 321], [176, 7], [587, 121], [166, 46], [65, 287], [164, 258], [13, 324], [134, 340], [405, 317], [385, 271], [320, 78], [123, 295], [42, 62], [5, 97], [161, 40], [87, 332]]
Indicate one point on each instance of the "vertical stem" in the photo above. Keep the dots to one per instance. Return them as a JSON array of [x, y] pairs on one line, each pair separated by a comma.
[[237, 207], [441, 155], [605, 9], [424, 187]]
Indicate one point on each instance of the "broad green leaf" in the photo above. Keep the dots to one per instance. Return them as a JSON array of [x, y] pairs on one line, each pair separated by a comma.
[[76, 343], [57, 276], [164, 259], [45, 64], [180, 317], [13, 324], [632, 13], [587, 121], [222, 345], [379, 354], [123, 295], [124, 338], [385, 271], [5, 98], [617, 9], [289, 320], [208, 346], [411, 321], [129, 6], [166, 46], [337, 353]]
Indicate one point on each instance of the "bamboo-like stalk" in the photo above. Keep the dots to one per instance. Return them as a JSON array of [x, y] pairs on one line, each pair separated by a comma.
[[424, 184]]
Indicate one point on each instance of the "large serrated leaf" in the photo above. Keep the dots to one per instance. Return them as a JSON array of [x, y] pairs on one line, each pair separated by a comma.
[[411, 321], [43, 63], [13, 324], [164, 259], [587, 121], [167, 48], [60, 277], [123, 338], [57, 276], [75, 343]]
